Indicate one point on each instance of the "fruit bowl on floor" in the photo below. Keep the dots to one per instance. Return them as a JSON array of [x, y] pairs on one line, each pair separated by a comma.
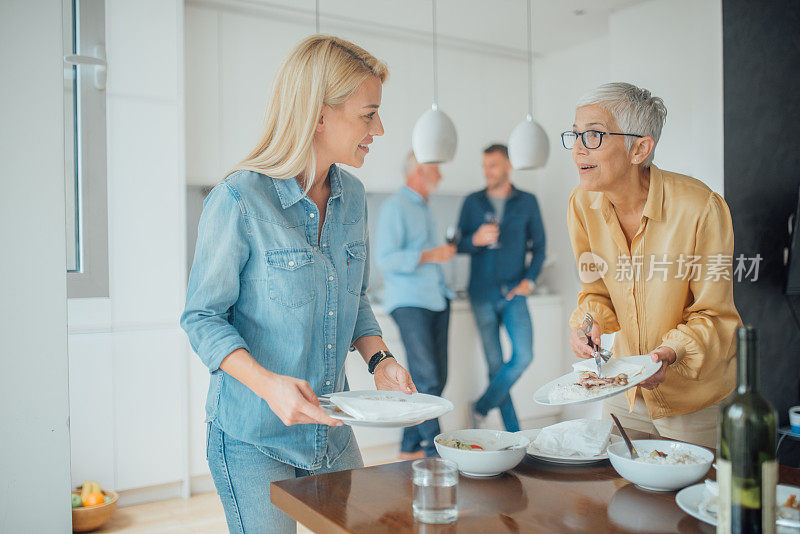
[[86, 519]]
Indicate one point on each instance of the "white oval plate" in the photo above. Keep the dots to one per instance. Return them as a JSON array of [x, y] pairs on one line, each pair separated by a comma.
[[649, 369], [387, 422], [569, 460], [689, 500]]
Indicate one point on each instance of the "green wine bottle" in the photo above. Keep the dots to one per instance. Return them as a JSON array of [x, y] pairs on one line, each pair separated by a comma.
[[747, 470]]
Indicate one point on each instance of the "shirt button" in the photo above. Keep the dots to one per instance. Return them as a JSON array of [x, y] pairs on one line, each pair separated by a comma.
[[291, 264], [327, 382], [330, 313], [330, 346], [330, 278], [311, 215], [324, 245]]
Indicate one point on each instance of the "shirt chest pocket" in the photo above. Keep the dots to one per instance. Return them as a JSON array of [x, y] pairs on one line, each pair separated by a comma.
[[290, 276], [356, 258]]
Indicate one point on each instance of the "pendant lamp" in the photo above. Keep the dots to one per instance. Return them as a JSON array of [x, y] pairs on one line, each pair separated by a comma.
[[434, 136], [528, 146]]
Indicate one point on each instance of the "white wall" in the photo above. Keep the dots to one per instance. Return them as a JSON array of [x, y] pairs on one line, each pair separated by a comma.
[[128, 356], [674, 49], [34, 449]]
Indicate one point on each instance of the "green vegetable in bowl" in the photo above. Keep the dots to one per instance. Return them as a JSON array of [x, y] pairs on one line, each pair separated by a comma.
[[458, 444], [76, 501]]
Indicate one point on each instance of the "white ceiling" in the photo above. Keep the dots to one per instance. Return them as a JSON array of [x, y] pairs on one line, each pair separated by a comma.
[[499, 23]]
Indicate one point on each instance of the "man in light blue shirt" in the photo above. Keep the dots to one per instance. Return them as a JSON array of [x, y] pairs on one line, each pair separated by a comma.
[[416, 296]]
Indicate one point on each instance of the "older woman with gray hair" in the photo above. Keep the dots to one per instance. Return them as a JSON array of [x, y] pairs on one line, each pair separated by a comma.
[[664, 245]]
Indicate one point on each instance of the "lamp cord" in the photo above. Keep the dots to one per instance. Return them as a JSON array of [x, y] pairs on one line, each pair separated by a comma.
[[435, 59], [530, 62], [316, 16]]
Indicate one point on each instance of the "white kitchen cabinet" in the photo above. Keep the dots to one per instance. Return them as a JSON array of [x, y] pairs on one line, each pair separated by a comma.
[[199, 378], [203, 117], [91, 409], [149, 423], [126, 419]]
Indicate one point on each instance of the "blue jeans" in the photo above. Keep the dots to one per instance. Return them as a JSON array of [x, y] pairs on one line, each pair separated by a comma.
[[514, 315], [424, 335], [242, 473]]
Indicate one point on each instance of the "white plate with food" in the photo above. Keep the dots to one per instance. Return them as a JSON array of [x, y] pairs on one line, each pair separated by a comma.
[[584, 385], [577, 459], [390, 409], [700, 501]]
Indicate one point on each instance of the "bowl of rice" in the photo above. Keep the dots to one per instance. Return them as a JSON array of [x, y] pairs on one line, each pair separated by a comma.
[[662, 465], [477, 451]]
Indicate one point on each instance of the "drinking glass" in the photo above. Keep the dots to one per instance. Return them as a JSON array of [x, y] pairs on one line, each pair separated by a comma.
[[435, 482]]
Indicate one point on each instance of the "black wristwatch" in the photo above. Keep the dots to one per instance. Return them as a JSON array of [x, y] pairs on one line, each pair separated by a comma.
[[377, 358]]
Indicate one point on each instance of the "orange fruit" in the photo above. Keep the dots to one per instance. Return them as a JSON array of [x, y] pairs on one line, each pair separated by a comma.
[[94, 498]]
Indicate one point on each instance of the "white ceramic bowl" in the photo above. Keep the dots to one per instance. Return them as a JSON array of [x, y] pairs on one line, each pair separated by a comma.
[[659, 477], [487, 462]]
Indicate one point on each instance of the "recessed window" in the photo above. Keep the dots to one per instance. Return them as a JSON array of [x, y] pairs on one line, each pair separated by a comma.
[[86, 196]]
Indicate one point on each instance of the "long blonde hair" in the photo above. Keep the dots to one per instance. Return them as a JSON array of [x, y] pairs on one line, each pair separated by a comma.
[[320, 69]]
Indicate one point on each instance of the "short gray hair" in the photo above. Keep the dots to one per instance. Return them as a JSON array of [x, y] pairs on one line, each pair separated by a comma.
[[635, 110], [409, 164]]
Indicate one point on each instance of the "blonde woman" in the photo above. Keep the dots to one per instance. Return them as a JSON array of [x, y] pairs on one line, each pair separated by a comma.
[[276, 295], [667, 240]]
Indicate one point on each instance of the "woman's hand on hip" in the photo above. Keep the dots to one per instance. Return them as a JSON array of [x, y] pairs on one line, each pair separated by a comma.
[[667, 357], [294, 402], [579, 343], [390, 375]]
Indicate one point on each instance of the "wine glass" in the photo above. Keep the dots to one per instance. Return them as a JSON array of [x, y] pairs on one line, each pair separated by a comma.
[[452, 235], [491, 218]]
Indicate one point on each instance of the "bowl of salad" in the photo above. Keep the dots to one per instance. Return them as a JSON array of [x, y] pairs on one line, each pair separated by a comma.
[[482, 453], [662, 465]]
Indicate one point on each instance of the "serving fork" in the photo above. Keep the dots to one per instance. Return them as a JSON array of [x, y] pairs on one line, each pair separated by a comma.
[[600, 354]]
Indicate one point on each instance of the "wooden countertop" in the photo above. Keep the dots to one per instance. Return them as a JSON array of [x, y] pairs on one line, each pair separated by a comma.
[[534, 497]]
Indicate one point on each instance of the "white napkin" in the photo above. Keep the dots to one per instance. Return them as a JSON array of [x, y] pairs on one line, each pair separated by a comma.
[[387, 406], [612, 367], [584, 437]]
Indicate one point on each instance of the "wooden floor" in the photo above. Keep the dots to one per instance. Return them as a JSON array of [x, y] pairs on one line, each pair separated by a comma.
[[201, 514]]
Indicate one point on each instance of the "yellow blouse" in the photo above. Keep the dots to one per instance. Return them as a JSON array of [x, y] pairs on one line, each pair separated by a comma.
[[673, 287]]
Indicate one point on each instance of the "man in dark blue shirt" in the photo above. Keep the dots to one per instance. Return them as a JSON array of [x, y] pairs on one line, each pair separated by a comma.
[[499, 226]]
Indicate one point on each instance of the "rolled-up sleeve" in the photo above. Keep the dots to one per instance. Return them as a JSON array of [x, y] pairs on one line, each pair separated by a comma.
[[593, 298], [213, 289], [366, 324], [710, 320]]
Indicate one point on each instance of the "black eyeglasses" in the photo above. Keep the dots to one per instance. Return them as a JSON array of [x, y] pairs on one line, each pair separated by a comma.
[[591, 138]]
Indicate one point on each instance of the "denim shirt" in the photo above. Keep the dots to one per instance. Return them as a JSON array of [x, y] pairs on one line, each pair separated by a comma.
[[405, 228], [496, 271], [262, 281]]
